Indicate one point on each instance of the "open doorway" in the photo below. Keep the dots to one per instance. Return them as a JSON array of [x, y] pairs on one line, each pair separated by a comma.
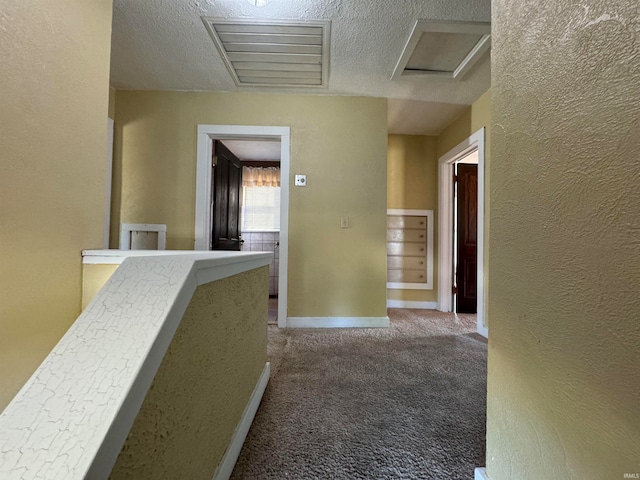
[[255, 208], [254, 138], [447, 227], [465, 233]]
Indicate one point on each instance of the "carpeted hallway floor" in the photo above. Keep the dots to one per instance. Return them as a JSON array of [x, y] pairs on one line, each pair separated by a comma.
[[406, 402]]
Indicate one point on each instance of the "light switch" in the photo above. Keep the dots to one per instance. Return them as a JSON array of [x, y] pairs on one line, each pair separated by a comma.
[[344, 222], [301, 181]]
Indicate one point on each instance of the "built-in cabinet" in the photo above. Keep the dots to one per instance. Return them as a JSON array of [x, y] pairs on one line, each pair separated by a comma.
[[410, 249]]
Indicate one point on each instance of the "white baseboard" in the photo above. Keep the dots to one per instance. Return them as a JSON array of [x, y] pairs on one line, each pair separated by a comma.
[[412, 304], [484, 331], [224, 470], [338, 322], [481, 474]]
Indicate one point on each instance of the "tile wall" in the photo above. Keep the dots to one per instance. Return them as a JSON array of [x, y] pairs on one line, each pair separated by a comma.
[[265, 242]]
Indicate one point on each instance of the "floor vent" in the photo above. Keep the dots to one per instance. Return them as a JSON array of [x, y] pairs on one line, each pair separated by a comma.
[[273, 53]]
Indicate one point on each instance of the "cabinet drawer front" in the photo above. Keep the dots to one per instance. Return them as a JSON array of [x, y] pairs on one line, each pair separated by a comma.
[[406, 249], [407, 263], [406, 221], [406, 276], [401, 235]]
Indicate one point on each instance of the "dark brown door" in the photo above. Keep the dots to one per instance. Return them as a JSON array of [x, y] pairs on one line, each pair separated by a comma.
[[467, 205], [227, 181]]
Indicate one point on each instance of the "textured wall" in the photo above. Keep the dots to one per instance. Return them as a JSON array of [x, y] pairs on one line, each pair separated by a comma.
[[455, 132], [112, 103], [340, 143], [481, 117], [53, 111], [412, 182], [564, 345], [203, 385], [476, 117], [93, 279]]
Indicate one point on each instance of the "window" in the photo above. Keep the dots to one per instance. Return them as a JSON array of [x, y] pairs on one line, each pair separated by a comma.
[[260, 208]]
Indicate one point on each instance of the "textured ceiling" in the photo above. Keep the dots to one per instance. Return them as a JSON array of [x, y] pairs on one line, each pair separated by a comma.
[[161, 44], [254, 150], [414, 117]]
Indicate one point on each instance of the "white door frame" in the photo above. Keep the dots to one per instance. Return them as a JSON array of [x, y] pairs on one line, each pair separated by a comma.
[[108, 181], [445, 225], [206, 135]]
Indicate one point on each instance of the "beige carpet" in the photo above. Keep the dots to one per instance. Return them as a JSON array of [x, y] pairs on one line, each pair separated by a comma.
[[407, 402]]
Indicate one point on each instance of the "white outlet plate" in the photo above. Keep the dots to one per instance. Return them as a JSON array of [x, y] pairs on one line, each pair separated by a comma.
[[301, 181]]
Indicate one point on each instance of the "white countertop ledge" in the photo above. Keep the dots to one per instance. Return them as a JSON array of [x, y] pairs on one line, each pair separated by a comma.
[[116, 257], [72, 416]]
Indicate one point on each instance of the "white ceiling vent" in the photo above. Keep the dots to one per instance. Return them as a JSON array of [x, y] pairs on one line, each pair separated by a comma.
[[447, 49], [273, 53]]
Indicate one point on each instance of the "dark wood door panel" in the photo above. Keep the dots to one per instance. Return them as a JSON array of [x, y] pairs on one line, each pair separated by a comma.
[[466, 270], [469, 287], [227, 182]]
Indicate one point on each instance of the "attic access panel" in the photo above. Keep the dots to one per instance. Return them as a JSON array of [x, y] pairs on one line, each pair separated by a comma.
[[441, 48], [273, 53]]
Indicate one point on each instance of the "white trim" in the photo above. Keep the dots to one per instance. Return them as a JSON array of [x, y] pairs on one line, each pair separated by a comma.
[[338, 322], [410, 286], [444, 26], [211, 22], [128, 228], [206, 133], [116, 257], [480, 474], [103, 260], [219, 263], [428, 285], [217, 270], [445, 224], [89, 351], [472, 57], [108, 182], [412, 304], [408, 211], [225, 468], [481, 328]]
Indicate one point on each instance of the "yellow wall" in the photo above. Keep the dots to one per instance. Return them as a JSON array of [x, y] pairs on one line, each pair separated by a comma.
[[481, 117], [203, 385], [340, 143], [112, 103], [455, 133], [564, 343], [53, 112], [478, 115], [93, 279], [473, 119], [412, 183]]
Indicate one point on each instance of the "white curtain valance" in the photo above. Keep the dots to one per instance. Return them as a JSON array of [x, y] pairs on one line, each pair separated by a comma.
[[260, 176]]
